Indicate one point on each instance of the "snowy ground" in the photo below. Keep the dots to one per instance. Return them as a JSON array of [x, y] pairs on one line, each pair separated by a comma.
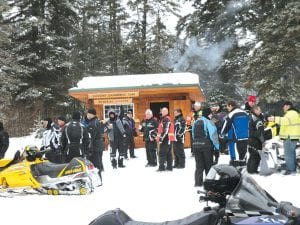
[[142, 193]]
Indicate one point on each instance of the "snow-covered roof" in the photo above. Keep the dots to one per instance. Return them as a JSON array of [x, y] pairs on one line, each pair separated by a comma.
[[136, 81]]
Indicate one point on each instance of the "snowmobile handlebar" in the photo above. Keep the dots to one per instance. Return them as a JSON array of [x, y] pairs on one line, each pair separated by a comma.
[[288, 210]]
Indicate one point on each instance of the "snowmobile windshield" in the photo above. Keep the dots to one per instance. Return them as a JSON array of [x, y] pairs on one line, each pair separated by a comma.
[[249, 196]]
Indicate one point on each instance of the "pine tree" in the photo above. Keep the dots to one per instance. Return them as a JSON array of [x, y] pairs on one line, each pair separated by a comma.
[[273, 70], [146, 43], [41, 41]]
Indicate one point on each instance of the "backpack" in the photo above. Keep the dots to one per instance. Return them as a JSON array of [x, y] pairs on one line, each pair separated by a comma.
[[74, 132]]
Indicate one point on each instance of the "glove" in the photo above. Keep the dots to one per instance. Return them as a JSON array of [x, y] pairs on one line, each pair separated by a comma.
[[216, 154]]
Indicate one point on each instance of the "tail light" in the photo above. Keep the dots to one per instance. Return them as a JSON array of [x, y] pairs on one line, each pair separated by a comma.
[[79, 175], [90, 166]]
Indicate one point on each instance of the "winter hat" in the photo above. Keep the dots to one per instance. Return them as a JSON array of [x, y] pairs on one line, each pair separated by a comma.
[[252, 98], [111, 112], [129, 111], [62, 118], [92, 111], [206, 112], [76, 115]]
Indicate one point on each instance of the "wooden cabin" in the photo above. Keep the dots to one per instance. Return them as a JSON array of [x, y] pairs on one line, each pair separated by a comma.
[[140, 92]]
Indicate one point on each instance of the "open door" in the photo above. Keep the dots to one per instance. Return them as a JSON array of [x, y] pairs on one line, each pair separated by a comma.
[[156, 107]]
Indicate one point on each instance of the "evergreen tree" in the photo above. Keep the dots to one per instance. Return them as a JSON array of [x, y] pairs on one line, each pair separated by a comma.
[[273, 69], [41, 39], [147, 42]]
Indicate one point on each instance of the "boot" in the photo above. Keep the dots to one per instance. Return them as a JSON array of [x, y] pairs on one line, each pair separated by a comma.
[[120, 162], [114, 163]]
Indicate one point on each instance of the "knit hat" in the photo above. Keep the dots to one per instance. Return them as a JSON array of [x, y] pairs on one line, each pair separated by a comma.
[[92, 111], [251, 98], [76, 115], [206, 112], [111, 112], [62, 118], [129, 111]]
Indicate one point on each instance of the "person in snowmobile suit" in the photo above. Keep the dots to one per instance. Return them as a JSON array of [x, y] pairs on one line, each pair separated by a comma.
[[129, 125], [61, 123], [149, 127], [205, 142], [4, 141], [250, 103], [75, 139], [236, 126], [290, 134], [191, 118], [50, 141], [178, 144], [165, 137], [117, 138], [218, 117], [256, 139], [96, 133]]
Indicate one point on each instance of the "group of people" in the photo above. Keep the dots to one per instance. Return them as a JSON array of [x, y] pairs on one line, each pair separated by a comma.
[[242, 130], [239, 131], [77, 138], [83, 136]]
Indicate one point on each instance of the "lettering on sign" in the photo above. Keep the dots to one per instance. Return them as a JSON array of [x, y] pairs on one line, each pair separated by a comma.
[[131, 94], [112, 101]]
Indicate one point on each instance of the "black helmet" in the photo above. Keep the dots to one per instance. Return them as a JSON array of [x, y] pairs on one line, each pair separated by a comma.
[[31, 152], [222, 178]]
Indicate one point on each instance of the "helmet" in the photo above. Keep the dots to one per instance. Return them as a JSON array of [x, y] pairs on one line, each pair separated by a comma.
[[31, 152], [222, 178]]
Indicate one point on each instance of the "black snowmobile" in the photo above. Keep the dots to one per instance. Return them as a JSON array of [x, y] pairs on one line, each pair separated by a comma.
[[240, 201]]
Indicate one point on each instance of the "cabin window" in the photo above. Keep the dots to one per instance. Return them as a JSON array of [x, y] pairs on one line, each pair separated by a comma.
[[116, 108]]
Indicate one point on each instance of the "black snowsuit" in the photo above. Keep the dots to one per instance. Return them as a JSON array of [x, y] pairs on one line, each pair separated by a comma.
[[95, 150], [74, 141], [129, 126], [117, 139], [165, 150], [149, 129], [203, 151], [256, 140], [4, 141], [178, 145]]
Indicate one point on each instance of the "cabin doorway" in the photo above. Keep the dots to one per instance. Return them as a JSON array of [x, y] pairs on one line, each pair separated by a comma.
[[157, 106]]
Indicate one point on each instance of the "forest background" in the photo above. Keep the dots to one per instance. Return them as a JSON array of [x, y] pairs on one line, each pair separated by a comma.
[[238, 47]]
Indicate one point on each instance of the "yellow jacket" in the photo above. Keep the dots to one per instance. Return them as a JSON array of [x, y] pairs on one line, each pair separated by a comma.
[[289, 125]]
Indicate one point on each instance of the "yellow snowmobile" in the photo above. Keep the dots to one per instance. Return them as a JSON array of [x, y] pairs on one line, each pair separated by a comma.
[[30, 173]]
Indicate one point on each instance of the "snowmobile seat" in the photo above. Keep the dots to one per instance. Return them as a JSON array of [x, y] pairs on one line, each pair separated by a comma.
[[7, 163], [47, 168], [119, 217]]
